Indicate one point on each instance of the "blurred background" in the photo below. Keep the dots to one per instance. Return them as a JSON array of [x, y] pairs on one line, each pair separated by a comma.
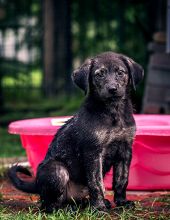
[[41, 42]]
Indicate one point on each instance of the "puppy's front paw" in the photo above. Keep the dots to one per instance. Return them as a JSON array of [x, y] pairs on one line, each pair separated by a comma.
[[99, 207], [125, 203]]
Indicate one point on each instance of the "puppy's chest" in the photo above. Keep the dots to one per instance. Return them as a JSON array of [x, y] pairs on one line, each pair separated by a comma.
[[106, 136]]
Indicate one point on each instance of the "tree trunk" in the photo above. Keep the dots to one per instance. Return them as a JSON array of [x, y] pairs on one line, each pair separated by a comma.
[[57, 56]]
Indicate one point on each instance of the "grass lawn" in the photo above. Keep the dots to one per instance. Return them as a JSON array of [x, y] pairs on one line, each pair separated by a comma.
[[59, 215], [141, 212], [10, 144]]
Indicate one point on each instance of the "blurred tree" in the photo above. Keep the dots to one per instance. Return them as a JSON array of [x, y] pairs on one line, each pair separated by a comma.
[[18, 29], [57, 56]]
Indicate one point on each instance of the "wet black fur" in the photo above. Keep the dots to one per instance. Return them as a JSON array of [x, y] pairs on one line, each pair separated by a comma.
[[97, 138]]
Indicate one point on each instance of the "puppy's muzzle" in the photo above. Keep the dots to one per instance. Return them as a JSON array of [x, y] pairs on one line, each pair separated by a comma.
[[113, 89]]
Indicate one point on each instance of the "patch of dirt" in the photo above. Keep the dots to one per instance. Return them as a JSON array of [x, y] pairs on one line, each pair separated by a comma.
[[15, 200]]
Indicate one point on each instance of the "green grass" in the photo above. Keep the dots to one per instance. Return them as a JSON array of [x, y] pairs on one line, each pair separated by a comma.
[[31, 214], [10, 144], [139, 213]]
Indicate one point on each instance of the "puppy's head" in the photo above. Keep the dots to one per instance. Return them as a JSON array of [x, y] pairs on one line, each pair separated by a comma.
[[108, 75]]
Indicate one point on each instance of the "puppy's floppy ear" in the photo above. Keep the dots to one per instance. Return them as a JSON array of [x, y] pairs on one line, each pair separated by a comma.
[[136, 72], [81, 75]]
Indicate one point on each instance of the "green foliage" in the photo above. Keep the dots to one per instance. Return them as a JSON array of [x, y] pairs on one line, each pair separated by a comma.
[[103, 25], [22, 80], [14, 16]]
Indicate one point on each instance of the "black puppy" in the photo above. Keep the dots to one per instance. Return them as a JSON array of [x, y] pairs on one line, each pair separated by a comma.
[[98, 137]]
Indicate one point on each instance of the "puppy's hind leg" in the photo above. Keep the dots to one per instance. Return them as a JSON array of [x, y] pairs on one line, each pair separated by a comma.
[[53, 186]]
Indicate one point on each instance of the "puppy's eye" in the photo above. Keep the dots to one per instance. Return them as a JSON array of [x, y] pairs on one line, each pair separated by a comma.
[[120, 72], [100, 72]]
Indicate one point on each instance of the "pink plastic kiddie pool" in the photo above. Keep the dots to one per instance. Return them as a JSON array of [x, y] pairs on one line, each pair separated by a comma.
[[150, 167]]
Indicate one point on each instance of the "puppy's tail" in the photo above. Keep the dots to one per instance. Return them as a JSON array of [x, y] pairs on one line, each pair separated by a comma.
[[29, 187]]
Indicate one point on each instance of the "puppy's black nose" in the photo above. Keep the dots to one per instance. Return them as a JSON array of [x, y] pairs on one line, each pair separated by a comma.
[[112, 90]]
